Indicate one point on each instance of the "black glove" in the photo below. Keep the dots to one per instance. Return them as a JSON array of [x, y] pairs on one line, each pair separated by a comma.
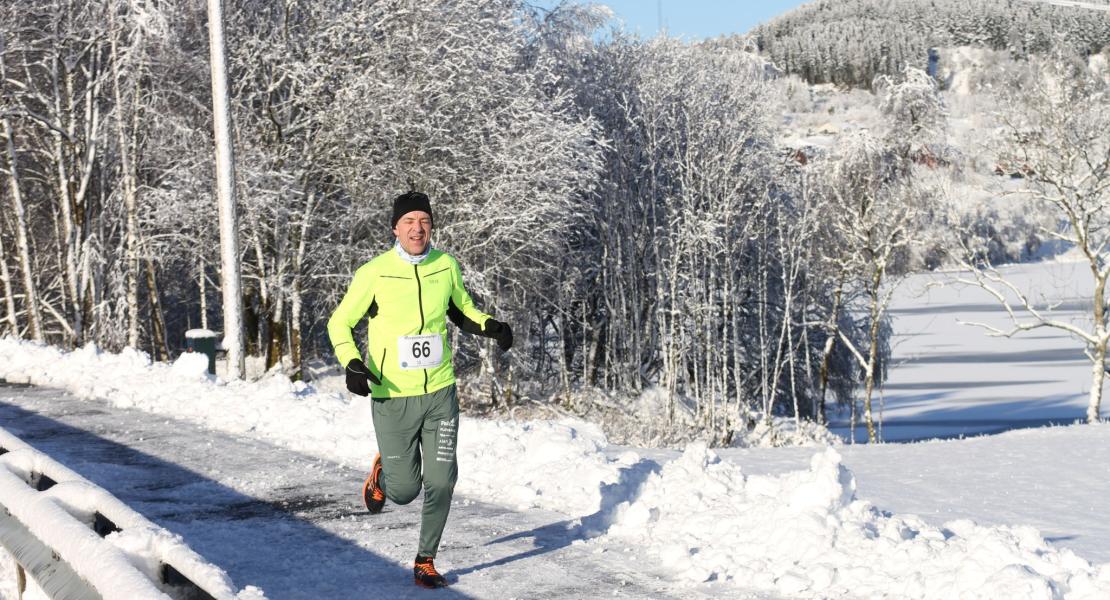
[[357, 376], [500, 332]]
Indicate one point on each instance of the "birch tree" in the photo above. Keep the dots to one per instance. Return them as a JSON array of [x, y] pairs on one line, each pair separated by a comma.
[[11, 325], [873, 211], [30, 293], [129, 186], [62, 79], [51, 83], [703, 289]]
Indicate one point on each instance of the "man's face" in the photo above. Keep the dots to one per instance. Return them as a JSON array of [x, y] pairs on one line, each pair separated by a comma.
[[414, 231]]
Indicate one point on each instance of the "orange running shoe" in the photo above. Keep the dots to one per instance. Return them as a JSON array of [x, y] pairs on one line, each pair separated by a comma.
[[373, 494], [425, 575]]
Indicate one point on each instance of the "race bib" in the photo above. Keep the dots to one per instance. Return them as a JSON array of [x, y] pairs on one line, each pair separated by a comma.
[[420, 351]]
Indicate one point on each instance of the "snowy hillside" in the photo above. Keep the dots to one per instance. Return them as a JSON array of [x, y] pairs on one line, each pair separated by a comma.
[[849, 42], [965, 163]]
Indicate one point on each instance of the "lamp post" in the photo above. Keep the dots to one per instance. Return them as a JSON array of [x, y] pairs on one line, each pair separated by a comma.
[[225, 187]]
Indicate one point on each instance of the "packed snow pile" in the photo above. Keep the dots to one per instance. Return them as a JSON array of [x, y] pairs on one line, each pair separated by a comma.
[[805, 534], [554, 465]]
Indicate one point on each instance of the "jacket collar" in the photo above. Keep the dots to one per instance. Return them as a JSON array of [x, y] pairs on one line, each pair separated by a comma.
[[412, 260]]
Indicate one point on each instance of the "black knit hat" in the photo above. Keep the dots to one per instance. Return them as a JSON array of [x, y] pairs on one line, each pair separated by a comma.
[[408, 202]]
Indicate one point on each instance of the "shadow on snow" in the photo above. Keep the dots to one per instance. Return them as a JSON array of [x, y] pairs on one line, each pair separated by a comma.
[[935, 420]]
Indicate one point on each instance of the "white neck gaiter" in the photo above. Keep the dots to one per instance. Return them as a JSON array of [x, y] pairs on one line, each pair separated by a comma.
[[412, 260]]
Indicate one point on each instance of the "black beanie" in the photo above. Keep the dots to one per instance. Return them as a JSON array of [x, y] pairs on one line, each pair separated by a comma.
[[408, 202]]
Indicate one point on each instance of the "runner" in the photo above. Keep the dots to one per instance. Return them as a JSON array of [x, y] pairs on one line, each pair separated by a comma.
[[409, 292]]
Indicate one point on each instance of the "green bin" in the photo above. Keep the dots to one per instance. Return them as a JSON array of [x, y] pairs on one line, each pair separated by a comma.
[[203, 341]]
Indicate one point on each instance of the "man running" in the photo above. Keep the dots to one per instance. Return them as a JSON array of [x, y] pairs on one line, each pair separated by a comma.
[[409, 292]]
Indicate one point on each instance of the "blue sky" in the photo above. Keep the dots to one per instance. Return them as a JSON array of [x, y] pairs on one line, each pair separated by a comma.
[[694, 18]]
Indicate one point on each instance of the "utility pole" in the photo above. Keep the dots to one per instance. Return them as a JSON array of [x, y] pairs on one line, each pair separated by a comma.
[[225, 187]]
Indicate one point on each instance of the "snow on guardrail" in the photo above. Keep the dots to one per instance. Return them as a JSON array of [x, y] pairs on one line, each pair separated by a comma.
[[76, 540]]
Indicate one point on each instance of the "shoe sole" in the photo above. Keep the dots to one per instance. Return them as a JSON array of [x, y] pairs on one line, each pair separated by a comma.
[[367, 500], [429, 586]]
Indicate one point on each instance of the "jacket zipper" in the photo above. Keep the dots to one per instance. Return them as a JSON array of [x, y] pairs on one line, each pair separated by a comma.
[[381, 366], [420, 304]]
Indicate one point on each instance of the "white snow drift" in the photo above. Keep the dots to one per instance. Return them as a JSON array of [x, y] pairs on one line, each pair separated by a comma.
[[805, 534]]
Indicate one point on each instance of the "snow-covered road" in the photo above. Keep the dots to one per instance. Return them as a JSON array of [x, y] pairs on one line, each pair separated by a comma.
[[292, 525]]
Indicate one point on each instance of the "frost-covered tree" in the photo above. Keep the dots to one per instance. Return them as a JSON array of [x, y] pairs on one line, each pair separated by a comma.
[[19, 216], [100, 127], [447, 97], [45, 93], [872, 209], [916, 113], [11, 325], [703, 286]]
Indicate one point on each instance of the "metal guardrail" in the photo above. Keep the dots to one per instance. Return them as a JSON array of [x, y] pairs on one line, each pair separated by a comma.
[[55, 523], [1073, 4]]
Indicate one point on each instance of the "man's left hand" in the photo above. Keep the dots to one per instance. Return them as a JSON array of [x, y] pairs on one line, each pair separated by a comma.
[[501, 332]]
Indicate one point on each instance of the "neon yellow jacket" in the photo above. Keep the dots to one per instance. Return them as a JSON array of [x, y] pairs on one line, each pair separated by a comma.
[[402, 299]]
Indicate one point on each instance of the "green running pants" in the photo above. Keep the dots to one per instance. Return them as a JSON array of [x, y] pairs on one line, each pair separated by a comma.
[[416, 436]]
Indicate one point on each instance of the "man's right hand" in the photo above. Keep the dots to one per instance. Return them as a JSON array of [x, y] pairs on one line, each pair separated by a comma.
[[358, 378]]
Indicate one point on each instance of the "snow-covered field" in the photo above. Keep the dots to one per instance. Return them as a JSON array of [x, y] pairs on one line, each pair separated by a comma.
[[950, 379], [1014, 515]]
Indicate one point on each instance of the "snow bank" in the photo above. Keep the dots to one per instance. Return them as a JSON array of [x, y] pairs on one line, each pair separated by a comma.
[[804, 534], [554, 465]]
